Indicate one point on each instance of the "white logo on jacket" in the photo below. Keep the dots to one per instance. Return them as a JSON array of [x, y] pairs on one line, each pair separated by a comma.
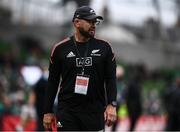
[[87, 61], [59, 124], [94, 52], [71, 54]]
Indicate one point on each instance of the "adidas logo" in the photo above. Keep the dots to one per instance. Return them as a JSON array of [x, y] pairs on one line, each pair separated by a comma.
[[71, 54], [59, 124]]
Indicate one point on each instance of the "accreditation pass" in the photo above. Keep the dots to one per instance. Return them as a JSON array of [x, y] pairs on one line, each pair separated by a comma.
[[81, 85]]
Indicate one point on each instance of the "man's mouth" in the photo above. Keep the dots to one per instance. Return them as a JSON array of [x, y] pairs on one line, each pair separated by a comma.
[[92, 31]]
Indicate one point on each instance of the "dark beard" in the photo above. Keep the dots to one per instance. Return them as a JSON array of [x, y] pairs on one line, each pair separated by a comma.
[[85, 33]]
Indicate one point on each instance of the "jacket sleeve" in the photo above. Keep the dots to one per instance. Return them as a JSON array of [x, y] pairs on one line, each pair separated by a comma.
[[110, 76], [53, 81]]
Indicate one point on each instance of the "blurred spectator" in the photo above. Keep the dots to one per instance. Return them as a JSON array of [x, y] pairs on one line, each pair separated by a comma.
[[5, 105], [153, 102], [172, 105], [1, 105], [27, 114], [120, 89], [133, 96], [5, 102], [38, 92]]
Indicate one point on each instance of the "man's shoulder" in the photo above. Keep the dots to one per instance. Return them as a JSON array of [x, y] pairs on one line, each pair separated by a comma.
[[102, 42], [63, 42], [59, 44]]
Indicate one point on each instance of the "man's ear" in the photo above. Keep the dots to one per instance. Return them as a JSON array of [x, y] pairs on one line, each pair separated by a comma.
[[76, 22]]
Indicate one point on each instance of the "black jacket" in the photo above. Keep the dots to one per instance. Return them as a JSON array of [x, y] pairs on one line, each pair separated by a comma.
[[100, 65]]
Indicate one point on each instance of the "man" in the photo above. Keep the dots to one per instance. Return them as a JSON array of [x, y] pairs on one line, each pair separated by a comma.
[[172, 105], [132, 95], [38, 93], [87, 95]]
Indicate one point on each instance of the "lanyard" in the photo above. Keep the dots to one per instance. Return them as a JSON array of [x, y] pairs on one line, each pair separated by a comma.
[[85, 54]]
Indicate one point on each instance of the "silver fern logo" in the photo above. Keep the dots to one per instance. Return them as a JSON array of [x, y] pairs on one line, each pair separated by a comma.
[[59, 124]]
